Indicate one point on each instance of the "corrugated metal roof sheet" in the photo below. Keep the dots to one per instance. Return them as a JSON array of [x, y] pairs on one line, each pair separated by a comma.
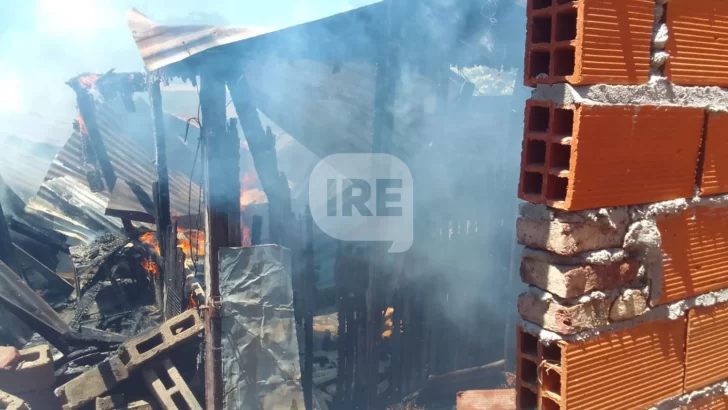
[[161, 45], [65, 199]]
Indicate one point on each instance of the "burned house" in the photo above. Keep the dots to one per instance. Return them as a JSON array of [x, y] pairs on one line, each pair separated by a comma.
[[180, 185]]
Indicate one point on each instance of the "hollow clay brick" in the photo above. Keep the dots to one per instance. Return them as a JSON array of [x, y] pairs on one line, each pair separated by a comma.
[[584, 157], [706, 358], [10, 402], [696, 42], [629, 369], [713, 179], [695, 251], [497, 399], [588, 41], [93, 383], [568, 281]]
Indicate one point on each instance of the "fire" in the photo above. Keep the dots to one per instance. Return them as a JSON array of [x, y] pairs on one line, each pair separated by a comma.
[[88, 81], [150, 238], [151, 267], [249, 193], [191, 242], [388, 314]]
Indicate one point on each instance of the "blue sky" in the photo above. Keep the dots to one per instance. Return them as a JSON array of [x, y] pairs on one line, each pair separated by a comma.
[[45, 42]]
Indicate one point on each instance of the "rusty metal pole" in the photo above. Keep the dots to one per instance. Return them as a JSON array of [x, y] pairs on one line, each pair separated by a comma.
[[214, 129]]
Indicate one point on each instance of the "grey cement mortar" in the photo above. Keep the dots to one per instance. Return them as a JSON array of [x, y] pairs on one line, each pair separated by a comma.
[[614, 217], [658, 91], [671, 311], [600, 257], [715, 390], [546, 296]]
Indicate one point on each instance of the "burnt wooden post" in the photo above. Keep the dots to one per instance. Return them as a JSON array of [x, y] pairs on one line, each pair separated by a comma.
[[232, 141], [86, 108], [388, 72], [163, 219], [7, 250], [214, 129], [309, 303], [262, 146]]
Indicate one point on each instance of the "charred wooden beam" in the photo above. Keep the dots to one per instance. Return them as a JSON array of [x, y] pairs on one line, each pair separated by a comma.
[[163, 219], [53, 279], [256, 230], [388, 74], [309, 302], [86, 107], [157, 279], [212, 104], [262, 146], [7, 250], [53, 239], [232, 141], [446, 385]]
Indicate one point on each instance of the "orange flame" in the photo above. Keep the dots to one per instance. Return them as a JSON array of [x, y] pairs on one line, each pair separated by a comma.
[[151, 267], [150, 238], [88, 81], [248, 181], [191, 242]]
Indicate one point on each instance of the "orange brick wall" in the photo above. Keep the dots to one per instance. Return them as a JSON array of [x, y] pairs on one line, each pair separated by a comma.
[[706, 358], [714, 178], [695, 253], [588, 41], [696, 42], [630, 369], [591, 155], [615, 156]]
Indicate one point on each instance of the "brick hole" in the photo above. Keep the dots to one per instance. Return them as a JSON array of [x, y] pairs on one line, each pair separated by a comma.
[[556, 189], [538, 119], [180, 401], [540, 4], [560, 2], [180, 327], [529, 371], [541, 30], [550, 380], [150, 343], [560, 156], [528, 399], [552, 353], [30, 357], [536, 152], [540, 61], [548, 404], [529, 344], [566, 25], [163, 376], [532, 183], [563, 124], [564, 61]]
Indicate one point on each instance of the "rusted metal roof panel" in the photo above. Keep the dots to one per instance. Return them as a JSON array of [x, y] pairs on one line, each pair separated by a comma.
[[162, 45]]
